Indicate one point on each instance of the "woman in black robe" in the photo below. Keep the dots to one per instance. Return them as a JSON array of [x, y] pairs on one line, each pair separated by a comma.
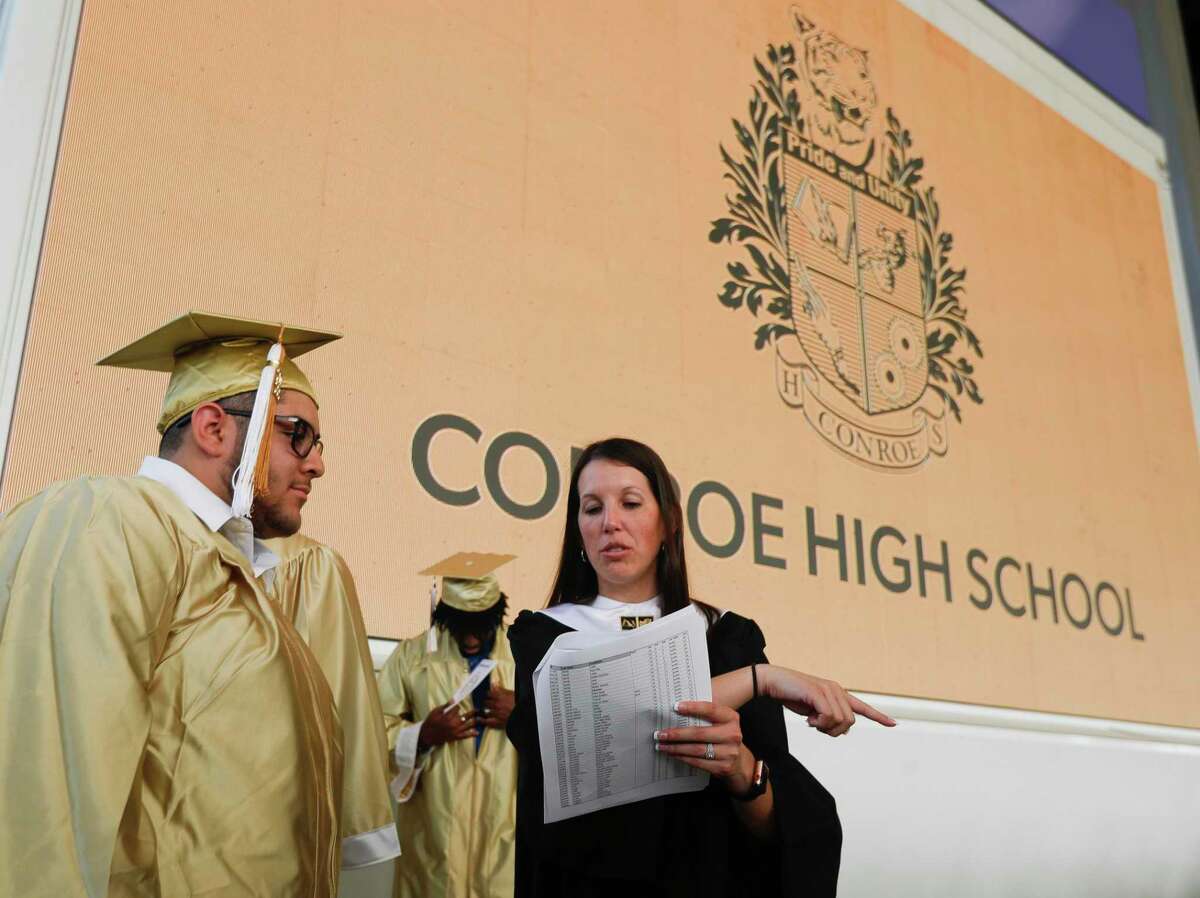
[[623, 552]]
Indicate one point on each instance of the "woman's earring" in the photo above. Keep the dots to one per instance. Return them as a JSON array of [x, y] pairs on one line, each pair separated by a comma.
[[583, 556]]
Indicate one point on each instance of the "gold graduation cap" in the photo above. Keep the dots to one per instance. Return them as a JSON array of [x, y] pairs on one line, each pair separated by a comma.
[[211, 357], [468, 584]]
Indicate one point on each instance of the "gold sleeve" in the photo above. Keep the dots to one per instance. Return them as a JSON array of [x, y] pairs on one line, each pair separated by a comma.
[[86, 601], [393, 694], [316, 591]]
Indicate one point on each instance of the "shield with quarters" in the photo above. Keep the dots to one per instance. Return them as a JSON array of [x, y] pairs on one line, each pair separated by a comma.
[[856, 289]]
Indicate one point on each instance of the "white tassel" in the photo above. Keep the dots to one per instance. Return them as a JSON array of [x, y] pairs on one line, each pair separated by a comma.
[[243, 477], [431, 640]]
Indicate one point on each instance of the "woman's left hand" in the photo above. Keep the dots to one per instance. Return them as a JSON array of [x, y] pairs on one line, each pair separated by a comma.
[[731, 761]]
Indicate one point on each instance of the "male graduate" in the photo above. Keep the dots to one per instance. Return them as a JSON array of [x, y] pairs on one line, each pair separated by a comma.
[[456, 770], [316, 592], [164, 730]]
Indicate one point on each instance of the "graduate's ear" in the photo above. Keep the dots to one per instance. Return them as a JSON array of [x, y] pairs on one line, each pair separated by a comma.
[[213, 431]]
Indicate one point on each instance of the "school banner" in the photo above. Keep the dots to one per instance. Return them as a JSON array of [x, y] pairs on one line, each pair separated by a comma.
[[905, 336]]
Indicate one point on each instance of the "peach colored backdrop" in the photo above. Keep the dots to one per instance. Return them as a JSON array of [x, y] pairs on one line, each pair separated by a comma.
[[505, 207]]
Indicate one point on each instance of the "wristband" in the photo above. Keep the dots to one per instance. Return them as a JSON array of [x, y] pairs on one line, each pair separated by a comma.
[[758, 785]]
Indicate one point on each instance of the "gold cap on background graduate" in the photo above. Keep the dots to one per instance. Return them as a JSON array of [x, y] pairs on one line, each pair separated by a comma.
[[468, 584], [212, 357]]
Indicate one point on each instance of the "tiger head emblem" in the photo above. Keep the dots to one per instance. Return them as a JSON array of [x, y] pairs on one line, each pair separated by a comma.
[[841, 98]]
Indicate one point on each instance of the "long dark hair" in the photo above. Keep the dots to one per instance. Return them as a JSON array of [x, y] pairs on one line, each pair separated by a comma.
[[576, 579]]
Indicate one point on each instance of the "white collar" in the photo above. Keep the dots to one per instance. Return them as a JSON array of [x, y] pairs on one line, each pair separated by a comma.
[[206, 504], [604, 603], [214, 512], [602, 613]]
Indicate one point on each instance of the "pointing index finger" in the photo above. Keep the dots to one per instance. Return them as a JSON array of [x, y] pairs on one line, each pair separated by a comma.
[[860, 707]]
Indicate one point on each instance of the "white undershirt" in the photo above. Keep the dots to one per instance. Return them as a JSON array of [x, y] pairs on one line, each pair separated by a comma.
[[212, 510]]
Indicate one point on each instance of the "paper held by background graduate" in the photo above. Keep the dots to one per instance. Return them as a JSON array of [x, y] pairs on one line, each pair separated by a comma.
[[599, 702], [474, 678]]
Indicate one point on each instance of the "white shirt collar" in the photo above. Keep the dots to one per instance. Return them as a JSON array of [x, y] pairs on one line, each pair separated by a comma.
[[216, 514], [206, 505]]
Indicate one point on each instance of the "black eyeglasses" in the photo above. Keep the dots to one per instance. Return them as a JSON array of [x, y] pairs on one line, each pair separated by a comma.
[[303, 437]]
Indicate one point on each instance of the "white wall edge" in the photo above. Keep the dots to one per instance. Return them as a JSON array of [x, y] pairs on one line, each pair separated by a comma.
[[931, 711], [34, 78]]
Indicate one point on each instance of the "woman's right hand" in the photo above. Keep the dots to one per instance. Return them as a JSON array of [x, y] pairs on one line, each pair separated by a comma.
[[823, 703]]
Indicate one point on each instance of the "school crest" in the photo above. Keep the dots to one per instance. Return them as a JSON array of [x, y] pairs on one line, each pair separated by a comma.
[[844, 247]]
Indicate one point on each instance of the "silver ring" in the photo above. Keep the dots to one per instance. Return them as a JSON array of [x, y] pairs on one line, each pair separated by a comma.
[[710, 752], [461, 716]]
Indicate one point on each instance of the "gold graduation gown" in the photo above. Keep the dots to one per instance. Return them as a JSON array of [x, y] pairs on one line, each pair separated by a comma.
[[458, 828], [163, 728], [316, 591]]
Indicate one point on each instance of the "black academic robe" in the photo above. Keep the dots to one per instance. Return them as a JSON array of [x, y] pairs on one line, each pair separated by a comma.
[[690, 844]]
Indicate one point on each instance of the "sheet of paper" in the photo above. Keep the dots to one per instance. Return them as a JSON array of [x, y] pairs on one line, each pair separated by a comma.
[[474, 678], [600, 699]]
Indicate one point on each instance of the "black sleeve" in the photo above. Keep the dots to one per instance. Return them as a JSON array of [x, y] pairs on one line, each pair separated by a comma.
[[807, 854], [530, 637]]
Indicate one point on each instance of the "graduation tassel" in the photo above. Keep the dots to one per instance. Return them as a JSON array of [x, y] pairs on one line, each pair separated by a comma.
[[250, 478], [262, 464], [431, 641]]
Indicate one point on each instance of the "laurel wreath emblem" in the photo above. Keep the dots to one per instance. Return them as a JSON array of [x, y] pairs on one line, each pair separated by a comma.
[[757, 221]]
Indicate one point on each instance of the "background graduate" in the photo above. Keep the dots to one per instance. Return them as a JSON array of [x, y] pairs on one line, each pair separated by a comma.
[[455, 780]]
